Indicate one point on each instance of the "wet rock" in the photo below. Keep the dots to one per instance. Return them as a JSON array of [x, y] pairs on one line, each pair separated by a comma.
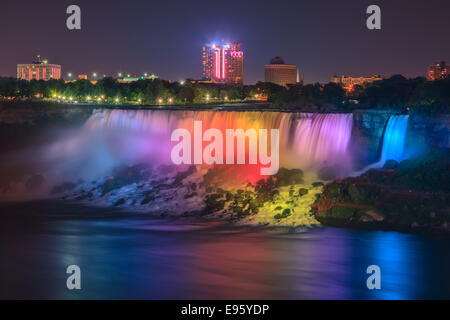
[[286, 213], [125, 175], [317, 184], [119, 202], [287, 177], [302, 191], [390, 164]]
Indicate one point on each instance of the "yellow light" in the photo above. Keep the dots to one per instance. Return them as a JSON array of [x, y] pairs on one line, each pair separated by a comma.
[[226, 98], [160, 100], [139, 100], [99, 99], [70, 98], [54, 95], [117, 99], [170, 100], [102, 96]]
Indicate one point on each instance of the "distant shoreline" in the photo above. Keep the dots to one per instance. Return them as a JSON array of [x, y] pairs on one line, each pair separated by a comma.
[[238, 106]]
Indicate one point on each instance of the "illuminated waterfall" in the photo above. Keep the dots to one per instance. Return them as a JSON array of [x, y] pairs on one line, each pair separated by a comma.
[[306, 140], [394, 139], [393, 143]]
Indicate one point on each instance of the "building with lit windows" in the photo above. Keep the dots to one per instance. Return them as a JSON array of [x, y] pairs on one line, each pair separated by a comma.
[[280, 73], [348, 83], [223, 63], [438, 71], [38, 70]]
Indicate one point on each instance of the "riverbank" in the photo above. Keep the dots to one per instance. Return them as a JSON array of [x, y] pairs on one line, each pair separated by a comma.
[[410, 196]]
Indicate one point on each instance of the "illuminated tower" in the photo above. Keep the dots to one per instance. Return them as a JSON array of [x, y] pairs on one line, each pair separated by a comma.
[[223, 63]]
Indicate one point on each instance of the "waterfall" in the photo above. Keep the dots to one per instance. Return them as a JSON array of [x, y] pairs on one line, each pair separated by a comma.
[[394, 138], [323, 139], [114, 137], [393, 142]]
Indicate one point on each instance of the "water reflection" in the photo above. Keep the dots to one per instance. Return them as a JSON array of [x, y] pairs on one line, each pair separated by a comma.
[[139, 257]]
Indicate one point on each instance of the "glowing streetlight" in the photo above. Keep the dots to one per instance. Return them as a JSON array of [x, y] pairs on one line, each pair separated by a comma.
[[226, 98], [207, 97], [70, 75], [145, 74], [170, 100], [182, 82], [99, 99], [117, 100], [120, 75], [70, 98], [139, 100], [88, 98], [94, 75]]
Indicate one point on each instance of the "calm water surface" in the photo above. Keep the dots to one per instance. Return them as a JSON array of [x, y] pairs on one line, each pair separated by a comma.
[[124, 255]]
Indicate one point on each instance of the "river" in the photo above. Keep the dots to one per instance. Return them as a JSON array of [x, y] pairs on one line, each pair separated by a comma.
[[124, 256]]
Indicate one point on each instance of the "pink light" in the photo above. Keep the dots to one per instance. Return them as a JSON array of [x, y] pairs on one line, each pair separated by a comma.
[[223, 63], [216, 62]]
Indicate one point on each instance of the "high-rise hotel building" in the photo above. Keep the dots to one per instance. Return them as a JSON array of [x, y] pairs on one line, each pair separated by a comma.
[[38, 70], [280, 73], [223, 63], [438, 71]]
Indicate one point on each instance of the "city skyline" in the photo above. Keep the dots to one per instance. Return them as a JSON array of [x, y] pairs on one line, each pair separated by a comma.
[[167, 39]]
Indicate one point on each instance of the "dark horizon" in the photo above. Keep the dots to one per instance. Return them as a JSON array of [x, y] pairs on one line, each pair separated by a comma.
[[322, 39]]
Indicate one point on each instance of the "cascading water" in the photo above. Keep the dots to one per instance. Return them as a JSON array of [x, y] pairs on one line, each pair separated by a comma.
[[394, 138], [393, 143], [113, 138], [307, 141], [322, 140]]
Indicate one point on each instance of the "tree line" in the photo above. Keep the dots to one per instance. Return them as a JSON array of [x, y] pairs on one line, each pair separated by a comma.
[[394, 93]]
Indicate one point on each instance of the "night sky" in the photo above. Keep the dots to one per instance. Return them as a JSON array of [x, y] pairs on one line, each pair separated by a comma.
[[322, 37]]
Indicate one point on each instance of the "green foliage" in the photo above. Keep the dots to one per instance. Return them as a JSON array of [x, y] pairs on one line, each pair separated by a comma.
[[395, 93]]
